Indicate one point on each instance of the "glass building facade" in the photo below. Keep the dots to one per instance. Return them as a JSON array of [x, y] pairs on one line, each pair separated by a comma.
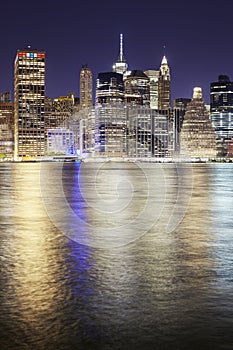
[[221, 109], [29, 99]]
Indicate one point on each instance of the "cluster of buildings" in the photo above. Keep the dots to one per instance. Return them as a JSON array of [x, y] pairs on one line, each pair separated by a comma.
[[132, 115]]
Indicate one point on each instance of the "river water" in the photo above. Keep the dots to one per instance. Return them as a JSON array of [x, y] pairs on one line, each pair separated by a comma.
[[116, 256]]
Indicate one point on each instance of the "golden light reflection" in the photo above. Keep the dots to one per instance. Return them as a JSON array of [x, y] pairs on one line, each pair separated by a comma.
[[33, 246]]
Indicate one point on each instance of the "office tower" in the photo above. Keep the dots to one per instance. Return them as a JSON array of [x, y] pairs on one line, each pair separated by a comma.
[[109, 88], [85, 87], [197, 137], [150, 132], [153, 75], [221, 109], [164, 86], [6, 127], [121, 65], [180, 105], [111, 130], [29, 93], [137, 88], [221, 95]]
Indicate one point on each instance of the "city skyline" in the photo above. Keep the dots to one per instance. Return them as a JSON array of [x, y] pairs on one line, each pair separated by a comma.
[[76, 34]]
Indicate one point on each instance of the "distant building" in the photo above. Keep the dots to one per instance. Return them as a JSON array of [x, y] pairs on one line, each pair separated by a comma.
[[109, 88], [150, 132], [137, 88], [5, 96], [221, 109], [153, 75], [29, 99], [6, 129], [111, 130], [164, 86], [85, 87], [197, 133], [180, 105], [121, 65], [60, 141]]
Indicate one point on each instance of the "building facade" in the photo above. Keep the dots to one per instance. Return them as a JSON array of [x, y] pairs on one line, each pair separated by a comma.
[[111, 130], [6, 129], [29, 103], [137, 88], [221, 109], [164, 86], [197, 133], [109, 88], [179, 109], [85, 87], [153, 75], [150, 132]]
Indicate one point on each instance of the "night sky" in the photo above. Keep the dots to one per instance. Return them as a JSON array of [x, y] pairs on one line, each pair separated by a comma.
[[198, 36]]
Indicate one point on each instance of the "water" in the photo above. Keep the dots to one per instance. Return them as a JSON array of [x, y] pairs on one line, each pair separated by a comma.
[[149, 265]]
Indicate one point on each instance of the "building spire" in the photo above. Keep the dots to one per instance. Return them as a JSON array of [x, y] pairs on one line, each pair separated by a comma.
[[121, 47], [121, 65]]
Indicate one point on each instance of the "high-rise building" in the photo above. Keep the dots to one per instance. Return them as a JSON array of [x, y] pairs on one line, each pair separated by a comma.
[[121, 65], [137, 88], [197, 134], [150, 132], [6, 128], [164, 86], [111, 130], [153, 75], [180, 105], [29, 98], [85, 87], [109, 88], [221, 95], [221, 109]]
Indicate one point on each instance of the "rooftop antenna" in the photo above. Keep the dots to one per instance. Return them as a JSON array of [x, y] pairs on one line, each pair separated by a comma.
[[121, 47]]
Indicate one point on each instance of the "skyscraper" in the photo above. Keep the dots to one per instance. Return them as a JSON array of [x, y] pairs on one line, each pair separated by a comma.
[[85, 87], [29, 93], [164, 86], [137, 88], [153, 75], [109, 88], [221, 109], [121, 65], [197, 137]]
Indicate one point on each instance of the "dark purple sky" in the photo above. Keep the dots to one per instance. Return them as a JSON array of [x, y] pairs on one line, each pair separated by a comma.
[[198, 36]]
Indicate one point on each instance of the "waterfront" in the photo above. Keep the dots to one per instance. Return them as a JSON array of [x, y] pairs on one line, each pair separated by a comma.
[[155, 284]]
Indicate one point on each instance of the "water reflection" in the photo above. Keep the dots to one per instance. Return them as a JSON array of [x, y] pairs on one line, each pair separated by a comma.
[[165, 290], [30, 248]]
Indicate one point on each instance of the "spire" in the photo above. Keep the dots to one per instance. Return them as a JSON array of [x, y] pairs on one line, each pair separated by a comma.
[[164, 60], [121, 65], [121, 55]]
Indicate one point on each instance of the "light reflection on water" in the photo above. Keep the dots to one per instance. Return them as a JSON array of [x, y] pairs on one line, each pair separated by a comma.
[[165, 290]]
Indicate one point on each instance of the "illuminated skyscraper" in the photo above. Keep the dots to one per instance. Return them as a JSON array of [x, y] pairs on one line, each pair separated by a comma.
[[109, 88], [6, 127], [153, 75], [29, 96], [137, 88], [164, 86], [221, 109], [85, 87], [121, 65], [197, 137]]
